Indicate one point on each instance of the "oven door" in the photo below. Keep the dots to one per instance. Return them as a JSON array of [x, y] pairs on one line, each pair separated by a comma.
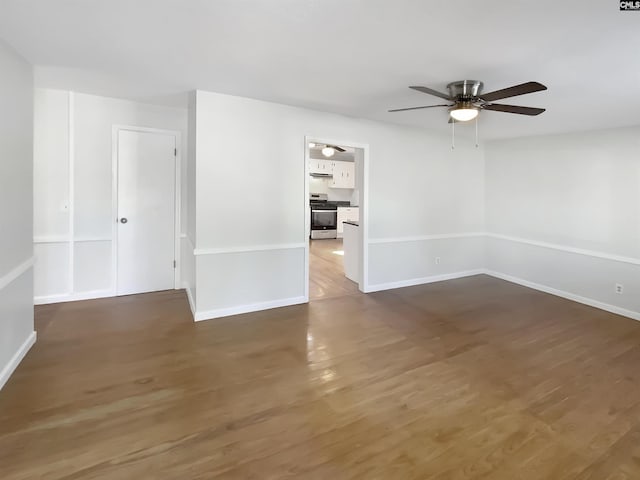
[[324, 223]]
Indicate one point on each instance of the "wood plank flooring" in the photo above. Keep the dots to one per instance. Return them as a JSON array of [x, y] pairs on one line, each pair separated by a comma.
[[326, 270], [473, 378]]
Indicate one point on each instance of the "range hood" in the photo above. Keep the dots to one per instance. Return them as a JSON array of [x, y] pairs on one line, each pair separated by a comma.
[[321, 175]]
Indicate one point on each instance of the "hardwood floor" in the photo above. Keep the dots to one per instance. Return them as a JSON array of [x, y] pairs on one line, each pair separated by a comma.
[[473, 378], [326, 271]]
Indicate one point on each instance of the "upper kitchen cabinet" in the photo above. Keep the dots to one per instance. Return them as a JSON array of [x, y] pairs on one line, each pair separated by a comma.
[[320, 166], [344, 174]]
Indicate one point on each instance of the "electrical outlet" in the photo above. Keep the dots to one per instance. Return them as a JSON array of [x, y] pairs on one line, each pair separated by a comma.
[[619, 288], [437, 260]]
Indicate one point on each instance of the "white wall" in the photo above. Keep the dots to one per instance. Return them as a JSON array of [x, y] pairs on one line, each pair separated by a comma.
[[188, 273], [563, 214], [418, 187], [73, 185], [321, 185], [16, 213]]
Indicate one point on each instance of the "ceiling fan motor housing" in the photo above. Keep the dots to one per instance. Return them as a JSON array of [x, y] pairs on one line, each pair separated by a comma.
[[465, 90]]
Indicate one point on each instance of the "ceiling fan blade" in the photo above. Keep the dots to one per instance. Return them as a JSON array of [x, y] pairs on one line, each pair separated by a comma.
[[417, 108], [338, 149], [498, 107], [514, 91], [432, 92]]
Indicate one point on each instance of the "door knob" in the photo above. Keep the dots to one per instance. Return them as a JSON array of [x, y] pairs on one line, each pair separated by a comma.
[[123, 220]]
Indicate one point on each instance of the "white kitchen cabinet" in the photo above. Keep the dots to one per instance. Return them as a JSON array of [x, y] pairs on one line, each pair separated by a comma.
[[320, 166], [347, 214], [343, 175]]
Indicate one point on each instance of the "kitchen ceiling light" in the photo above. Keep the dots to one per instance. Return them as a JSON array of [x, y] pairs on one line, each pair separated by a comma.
[[328, 151], [464, 113], [312, 145]]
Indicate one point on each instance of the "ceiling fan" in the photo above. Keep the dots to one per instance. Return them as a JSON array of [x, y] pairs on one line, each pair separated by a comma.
[[467, 99], [327, 150]]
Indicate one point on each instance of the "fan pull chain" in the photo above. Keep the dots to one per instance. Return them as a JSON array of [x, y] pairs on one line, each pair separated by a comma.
[[453, 135]]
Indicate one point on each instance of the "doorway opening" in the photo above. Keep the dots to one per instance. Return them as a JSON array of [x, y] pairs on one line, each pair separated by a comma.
[[335, 197], [146, 210]]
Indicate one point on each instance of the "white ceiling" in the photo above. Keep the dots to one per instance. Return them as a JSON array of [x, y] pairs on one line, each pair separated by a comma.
[[355, 57]]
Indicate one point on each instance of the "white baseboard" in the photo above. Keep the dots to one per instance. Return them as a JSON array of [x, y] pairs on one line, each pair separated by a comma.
[[225, 312], [10, 367], [569, 296], [525, 283], [72, 297], [421, 281], [192, 303]]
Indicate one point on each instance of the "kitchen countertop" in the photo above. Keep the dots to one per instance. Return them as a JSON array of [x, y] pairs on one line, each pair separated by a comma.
[[349, 222], [337, 204]]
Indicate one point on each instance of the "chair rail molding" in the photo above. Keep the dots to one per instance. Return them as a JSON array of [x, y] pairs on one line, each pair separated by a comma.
[[421, 238], [16, 272], [249, 248], [566, 248]]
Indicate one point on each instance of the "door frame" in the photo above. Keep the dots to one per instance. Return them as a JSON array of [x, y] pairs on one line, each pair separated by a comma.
[[116, 129], [363, 285]]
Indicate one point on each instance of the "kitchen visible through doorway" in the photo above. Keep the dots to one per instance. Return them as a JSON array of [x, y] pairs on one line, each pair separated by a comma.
[[334, 185]]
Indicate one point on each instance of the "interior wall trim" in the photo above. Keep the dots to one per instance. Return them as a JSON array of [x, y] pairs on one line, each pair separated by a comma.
[[13, 363], [192, 302], [565, 248], [51, 239], [254, 307], [91, 239], [16, 272], [190, 244], [423, 280], [421, 238], [252, 248], [552, 246], [65, 239], [569, 296], [72, 297]]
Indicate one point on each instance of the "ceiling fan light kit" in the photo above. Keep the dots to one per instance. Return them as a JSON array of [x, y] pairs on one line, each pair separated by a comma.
[[468, 100], [328, 151], [463, 112]]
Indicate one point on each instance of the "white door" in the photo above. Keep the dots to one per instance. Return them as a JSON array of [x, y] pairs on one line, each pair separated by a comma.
[[146, 212]]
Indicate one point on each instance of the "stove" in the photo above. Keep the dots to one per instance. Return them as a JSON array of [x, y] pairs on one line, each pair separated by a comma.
[[324, 216]]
